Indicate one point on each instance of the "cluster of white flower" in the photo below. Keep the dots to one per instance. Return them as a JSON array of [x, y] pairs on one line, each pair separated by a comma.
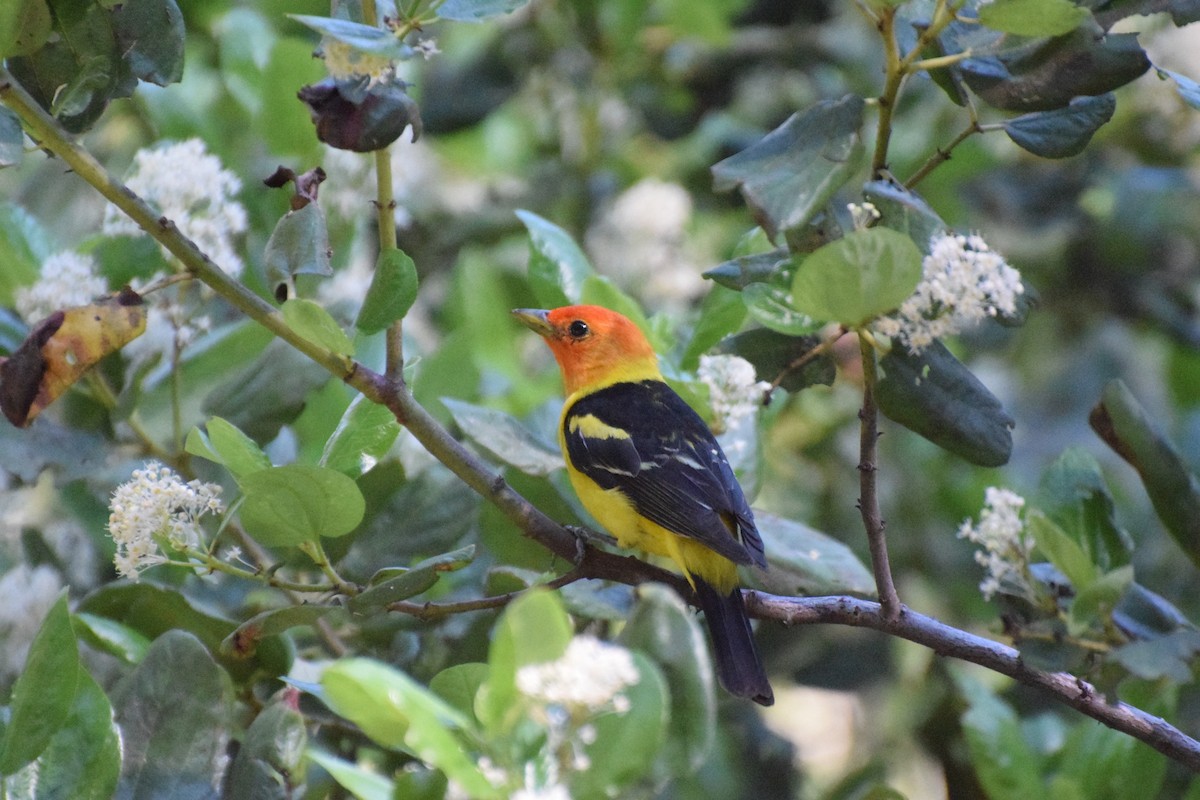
[[1006, 545], [189, 186], [641, 242], [588, 677], [734, 392], [26, 595], [345, 61], [963, 282], [154, 503], [67, 279]]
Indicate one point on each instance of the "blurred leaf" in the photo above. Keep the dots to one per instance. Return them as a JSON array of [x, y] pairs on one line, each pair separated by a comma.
[[771, 353], [174, 731], [150, 34], [533, 629], [557, 266], [1047, 73], [299, 245], [243, 642], [477, 10], [1188, 89], [721, 313], [1170, 656], [1061, 132], [1032, 17], [71, 452], [12, 138], [44, 693], [365, 431], [24, 27], [742, 271], [153, 611], [315, 324], [626, 744], [270, 763], [1005, 764], [1063, 552], [25, 246], [1073, 493], [112, 637], [360, 782], [664, 628], [1143, 614], [83, 759], [392, 292], [1096, 601], [400, 714], [792, 172], [856, 278], [1173, 489], [267, 393], [505, 438], [284, 124], [224, 444], [803, 561], [365, 38], [459, 685], [935, 396], [903, 210], [411, 582], [771, 306], [297, 503]]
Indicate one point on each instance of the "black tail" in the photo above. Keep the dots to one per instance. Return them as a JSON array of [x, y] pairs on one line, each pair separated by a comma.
[[739, 668]]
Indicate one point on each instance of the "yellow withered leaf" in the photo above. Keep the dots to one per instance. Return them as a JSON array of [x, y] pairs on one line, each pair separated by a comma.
[[62, 347]]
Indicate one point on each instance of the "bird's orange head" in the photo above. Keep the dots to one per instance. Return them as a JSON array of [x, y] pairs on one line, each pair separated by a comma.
[[594, 346]]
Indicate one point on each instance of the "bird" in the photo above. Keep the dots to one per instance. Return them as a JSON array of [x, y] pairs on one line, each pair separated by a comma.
[[648, 469]]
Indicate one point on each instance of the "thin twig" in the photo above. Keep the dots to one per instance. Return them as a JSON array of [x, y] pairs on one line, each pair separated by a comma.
[[942, 154], [868, 500], [949, 641], [804, 358], [433, 611]]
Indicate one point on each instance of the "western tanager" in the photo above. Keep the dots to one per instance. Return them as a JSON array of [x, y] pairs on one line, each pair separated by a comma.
[[648, 469]]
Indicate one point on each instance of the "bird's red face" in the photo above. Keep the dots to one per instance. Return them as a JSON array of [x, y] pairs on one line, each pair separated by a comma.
[[592, 344]]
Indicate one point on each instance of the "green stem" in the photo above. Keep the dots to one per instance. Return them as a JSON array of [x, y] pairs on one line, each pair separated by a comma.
[[316, 551], [210, 563]]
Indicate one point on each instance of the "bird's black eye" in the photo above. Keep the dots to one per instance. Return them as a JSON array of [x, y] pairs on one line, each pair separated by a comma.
[[578, 329]]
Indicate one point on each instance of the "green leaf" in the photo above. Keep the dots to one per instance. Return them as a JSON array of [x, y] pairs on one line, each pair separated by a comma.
[[400, 714], [1062, 551], [742, 271], [935, 396], [1061, 132], [770, 305], [790, 174], [151, 34], [557, 267], [25, 246], [244, 640], [359, 781], [365, 432], [626, 744], [1143, 614], [1033, 17], [1095, 602], [299, 245], [411, 582], [771, 353], [1170, 656], [112, 637], [858, 277], [270, 762], [224, 444], [24, 27], [314, 323], [505, 438], [1174, 491], [533, 629], [905, 211], [1073, 493], [721, 313], [477, 10], [1007, 767], [459, 685], [174, 713], [45, 690], [664, 628], [365, 38], [297, 503], [804, 561], [12, 138], [83, 759], [392, 292]]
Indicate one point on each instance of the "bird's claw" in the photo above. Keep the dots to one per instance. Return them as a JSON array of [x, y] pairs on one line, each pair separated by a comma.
[[584, 537]]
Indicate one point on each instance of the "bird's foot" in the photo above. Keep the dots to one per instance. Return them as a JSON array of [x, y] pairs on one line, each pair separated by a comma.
[[584, 537]]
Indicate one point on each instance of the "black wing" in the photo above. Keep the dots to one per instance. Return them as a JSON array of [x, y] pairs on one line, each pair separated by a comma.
[[669, 465]]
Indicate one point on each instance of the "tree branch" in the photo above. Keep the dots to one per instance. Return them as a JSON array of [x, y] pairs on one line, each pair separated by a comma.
[[949, 641], [868, 500]]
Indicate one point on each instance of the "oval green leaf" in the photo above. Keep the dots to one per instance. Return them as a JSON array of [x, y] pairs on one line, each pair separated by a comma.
[[557, 266], [314, 323], [858, 277], [392, 292], [297, 503]]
